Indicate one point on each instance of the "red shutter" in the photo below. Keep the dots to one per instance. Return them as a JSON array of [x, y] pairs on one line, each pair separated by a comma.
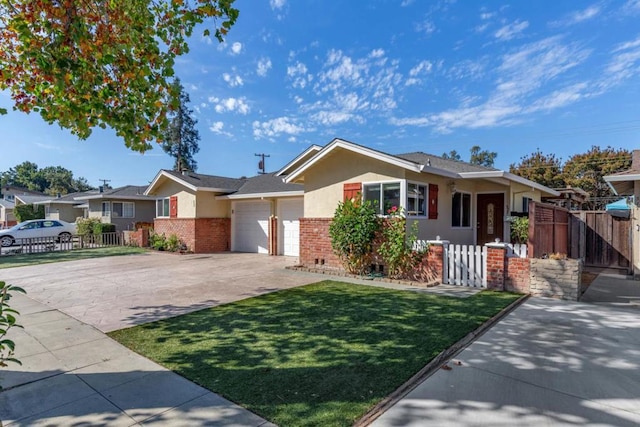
[[433, 201], [173, 206], [352, 190]]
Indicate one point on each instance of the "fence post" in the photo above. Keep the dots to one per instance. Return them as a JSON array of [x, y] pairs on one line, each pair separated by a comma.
[[436, 258], [496, 258]]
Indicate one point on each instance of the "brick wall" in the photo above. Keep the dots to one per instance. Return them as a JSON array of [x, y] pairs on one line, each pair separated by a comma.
[[517, 275], [138, 238], [556, 278], [201, 235], [496, 258], [315, 243]]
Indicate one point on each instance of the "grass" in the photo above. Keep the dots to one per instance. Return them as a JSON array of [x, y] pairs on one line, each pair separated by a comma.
[[322, 354], [21, 260]]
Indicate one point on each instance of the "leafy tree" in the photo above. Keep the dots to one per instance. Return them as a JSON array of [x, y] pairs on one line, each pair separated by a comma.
[[181, 138], [83, 64], [541, 168], [27, 212], [586, 171], [51, 179], [8, 320], [452, 155], [482, 158]]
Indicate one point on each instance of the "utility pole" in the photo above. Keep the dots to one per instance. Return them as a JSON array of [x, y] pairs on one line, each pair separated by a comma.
[[261, 164], [104, 183]]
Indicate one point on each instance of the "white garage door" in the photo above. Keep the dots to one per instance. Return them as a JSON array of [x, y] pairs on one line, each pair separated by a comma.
[[251, 226], [290, 212]]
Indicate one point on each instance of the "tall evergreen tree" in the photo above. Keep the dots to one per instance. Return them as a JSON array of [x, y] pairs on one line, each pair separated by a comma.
[[181, 138], [544, 169], [482, 157]]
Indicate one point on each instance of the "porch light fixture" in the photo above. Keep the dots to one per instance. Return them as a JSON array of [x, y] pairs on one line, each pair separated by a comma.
[[452, 188]]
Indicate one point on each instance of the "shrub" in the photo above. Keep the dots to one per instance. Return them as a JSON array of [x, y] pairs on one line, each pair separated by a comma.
[[352, 232], [520, 230], [7, 321], [157, 241], [172, 244], [100, 228], [397, 247], [86, 226], [27, 212]]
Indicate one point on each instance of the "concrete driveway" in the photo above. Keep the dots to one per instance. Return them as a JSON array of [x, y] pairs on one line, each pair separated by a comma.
[[547, 363], [116, 292]]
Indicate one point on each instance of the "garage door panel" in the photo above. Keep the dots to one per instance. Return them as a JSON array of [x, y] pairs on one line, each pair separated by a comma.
[[251, 226], [290, 213]]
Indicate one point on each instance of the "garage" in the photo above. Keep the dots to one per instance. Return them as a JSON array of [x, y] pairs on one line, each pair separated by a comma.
[[290, 211], [251, 226]]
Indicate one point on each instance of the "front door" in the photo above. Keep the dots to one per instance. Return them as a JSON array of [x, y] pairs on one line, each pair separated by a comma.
[[490, 224]]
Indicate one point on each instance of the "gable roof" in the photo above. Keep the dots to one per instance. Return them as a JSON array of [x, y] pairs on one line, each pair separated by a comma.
[[198, 182], [7, 204], [29, 199], [299, 160], [421, 162], [128, 192], [622, 183], [266, 185]]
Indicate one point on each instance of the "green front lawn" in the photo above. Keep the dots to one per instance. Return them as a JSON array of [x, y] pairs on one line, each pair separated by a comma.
[[20, 260], [318, 355]]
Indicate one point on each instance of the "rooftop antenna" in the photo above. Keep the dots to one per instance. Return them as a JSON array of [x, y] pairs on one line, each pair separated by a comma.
[[261, 164]]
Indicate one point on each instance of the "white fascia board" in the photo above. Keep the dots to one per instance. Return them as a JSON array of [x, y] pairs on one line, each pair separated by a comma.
[[114, 197], [510, 177], [314, 148], [162, 173], [619, 178], [339, 143], [297, 193], [441, 172]]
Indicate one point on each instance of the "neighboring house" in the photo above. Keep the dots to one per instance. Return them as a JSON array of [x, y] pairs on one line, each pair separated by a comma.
[[8, 202], [122, 206], [213, 213], [457, 201], [7, 219], [571, 198], [627, 184]]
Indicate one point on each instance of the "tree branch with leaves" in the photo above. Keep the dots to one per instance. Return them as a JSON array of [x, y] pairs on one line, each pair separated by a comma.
[[102, 63]]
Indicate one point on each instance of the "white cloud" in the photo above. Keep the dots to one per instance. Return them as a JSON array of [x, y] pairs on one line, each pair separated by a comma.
[[277, 4], [232, 81], [376, 53], [406, 3], [298, 73], [512, 30], [238, 105], [410, 121], [276, 127], [236, 48], [423, 67], [426, 27], [631, 7], [624, 63], [487, 15], [579, 16], [298, 99], [217, 128], [264, 65]]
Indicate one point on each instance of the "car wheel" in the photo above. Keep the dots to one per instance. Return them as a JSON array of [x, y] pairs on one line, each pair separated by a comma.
[[6, 241], [64, 237]]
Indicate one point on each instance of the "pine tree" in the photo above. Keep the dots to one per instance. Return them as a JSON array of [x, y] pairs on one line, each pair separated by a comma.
[[181, 138]]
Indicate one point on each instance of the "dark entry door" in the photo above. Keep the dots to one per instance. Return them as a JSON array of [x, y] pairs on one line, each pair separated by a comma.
[[490, 218]]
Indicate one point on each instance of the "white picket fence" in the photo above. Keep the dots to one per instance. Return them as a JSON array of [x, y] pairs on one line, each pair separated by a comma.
[[466, 265]]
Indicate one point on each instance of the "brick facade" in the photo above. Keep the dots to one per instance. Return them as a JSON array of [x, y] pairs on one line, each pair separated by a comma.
[[201, 235], [315, 244], [496, 259], [517, 275], [138, 238]]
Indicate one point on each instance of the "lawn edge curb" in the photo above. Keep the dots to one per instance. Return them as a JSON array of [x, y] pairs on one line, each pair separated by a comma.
[[435, 363]]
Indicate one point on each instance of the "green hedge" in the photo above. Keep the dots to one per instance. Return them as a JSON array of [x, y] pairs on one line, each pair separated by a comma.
[[27, 212]]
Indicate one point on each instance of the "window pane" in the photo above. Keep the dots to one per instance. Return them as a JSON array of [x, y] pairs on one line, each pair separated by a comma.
[[127, 210], [117, 209], [106, 206], [391, 196], [372, 194], [456, 207], [466, 210], [416, 200], [165, 206]]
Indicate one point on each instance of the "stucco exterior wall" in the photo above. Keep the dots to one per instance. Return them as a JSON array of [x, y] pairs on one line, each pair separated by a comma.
[[64, 212], [186, 197], [208, 207]]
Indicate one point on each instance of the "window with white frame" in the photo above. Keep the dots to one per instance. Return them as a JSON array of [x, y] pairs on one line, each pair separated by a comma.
[[461, 210], [162, 207], [123, 209], [525, 204], [383, 196], [106, 208], [416, 199]]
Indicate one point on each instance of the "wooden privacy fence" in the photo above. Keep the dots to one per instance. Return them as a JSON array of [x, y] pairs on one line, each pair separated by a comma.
[[601, 240], [548, 229]]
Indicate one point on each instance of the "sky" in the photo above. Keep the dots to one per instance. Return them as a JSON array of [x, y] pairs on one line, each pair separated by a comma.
[[397, 76]]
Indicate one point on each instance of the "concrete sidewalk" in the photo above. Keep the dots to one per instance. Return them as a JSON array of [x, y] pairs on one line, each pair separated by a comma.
[[547, 363], [72, 374], [613, 289]]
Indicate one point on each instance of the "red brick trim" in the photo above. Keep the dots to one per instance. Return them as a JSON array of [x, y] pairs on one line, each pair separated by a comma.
[[201, 235]]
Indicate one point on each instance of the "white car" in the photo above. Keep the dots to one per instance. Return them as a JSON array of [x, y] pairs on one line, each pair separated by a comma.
[[37, 228]]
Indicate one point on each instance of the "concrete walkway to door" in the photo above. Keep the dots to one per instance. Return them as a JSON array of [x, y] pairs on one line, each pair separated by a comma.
[[613, 289]]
